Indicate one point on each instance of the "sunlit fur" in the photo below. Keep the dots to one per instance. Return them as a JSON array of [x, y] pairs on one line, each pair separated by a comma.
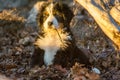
[[51, 39]]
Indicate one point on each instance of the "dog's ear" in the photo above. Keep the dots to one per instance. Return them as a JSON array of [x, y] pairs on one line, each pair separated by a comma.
[[35, 11], [40, 14], [66, 12]]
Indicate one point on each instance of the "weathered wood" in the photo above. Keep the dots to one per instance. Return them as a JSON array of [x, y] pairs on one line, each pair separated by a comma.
[[115, 13], [103, 19]]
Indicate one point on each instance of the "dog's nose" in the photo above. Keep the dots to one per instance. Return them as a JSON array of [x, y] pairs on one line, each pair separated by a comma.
[[50, 23]]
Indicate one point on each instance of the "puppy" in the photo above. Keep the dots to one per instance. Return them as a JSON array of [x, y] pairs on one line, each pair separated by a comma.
[[56, 44]]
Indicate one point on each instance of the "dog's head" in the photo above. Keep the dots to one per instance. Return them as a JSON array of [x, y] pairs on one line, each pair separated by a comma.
[[54, 15]]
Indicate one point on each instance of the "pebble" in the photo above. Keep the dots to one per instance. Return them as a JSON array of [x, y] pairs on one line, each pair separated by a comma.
[[96, 70]]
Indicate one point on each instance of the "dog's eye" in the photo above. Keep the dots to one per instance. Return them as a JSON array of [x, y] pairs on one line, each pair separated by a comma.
[[59, 17], [45, 14]]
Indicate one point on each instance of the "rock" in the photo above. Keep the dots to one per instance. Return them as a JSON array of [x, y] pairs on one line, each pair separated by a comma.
[[31, 20], [26, 40], [12, 4]]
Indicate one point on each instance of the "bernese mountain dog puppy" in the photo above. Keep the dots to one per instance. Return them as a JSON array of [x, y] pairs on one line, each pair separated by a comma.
[[56, 44]]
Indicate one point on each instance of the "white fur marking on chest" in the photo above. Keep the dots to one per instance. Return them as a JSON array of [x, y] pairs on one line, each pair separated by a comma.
[[51, 43], [49, 56]]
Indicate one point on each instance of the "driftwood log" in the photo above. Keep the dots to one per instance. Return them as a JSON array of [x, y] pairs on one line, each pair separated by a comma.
[[115, 13], [108, 21]]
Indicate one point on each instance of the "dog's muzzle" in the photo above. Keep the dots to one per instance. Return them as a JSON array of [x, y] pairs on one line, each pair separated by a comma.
[[51, 22]]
